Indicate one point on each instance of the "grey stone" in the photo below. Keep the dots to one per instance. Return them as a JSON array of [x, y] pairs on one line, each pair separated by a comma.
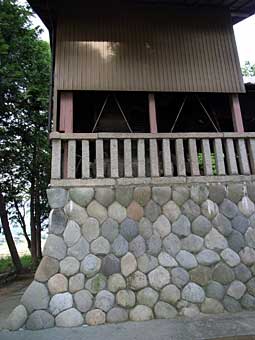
[[58, 284], [147, 297], [126, 298], [240, 223], [141, 313], [137, 246], [191, 311], [60, 302], [135, 211], [81, 196], [186, 259], [76, 212], [192, 243], [248, 302], [164, 311], [172, 244], [129, 229], [116, 282], [223, 274], [105, 196], [211, 306], [69, 266], [76, 282], [154, 245], [251, 191], [40, 319], [137, 280], [181, 227], [236, 289], [35, 297], [47, 268], [251, 286], [201, 275], [96, 283], [110, 229], [209, 209], [247, 256], [191, 210], [72, 233], [217, 193], [116, 315], [180, 195], [230, 257], [79, 250], [252, 221], [110, 265], [57, 221], [193, 293], [117, 212], [231, 305], [120, 246], [152, 211], [17, 318], [223, 225], [69, 318], [215, 290], [145, 228], [235, 192], [199, 193], [228, 208], [250, 237], [95, 317], [90, 229], [207, 257], [124, 195], [90, 265], [162, 226], [215, 241], [97, 211], [180, 277], [142, 195], [246, 206], [159, 278], [100, 246], [104, 300], [242, 273], [236, 241], [128, 264], [55, 247], [201, 226], [161, 195], [170, 294], [172, 211], [146, 263], [167, 260], [57, 197]]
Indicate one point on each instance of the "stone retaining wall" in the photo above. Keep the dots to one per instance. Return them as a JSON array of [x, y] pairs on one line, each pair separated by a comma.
[[125, 253]]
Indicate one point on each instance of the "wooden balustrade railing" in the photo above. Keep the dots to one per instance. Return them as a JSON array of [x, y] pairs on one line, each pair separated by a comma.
[[117, 155]]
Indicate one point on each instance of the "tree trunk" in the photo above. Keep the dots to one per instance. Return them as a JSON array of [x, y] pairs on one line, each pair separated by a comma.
[[23, 225], [8, 236]]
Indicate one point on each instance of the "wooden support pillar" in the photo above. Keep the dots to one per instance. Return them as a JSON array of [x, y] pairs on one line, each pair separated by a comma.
[[152, 114], [236, 113]]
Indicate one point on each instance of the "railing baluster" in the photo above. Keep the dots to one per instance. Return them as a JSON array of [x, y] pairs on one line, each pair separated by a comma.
[[231, 157], [154, 161], [243, 157], [207, 159], [56, 159], [85, 164], [180, 158], [141, 157], [127, 158], [167, 162], [251, 146], [219, 157], [194, 166], [114, 158], [71, 159], [99, 158]]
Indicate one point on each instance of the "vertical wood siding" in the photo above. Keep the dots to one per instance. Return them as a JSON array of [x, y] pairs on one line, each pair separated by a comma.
[[147, 50]]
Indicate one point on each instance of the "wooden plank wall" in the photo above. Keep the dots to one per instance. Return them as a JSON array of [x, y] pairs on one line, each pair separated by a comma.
[[147, 50]]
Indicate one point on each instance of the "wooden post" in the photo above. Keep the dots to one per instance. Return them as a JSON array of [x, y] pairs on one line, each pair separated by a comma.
[[152, 113], [236, 113]]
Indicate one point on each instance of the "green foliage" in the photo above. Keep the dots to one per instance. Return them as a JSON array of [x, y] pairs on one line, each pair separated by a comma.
[[248, 69], [6, 264], [201, 163]]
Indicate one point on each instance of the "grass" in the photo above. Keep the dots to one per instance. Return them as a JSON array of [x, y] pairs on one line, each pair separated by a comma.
[[6, 264]]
